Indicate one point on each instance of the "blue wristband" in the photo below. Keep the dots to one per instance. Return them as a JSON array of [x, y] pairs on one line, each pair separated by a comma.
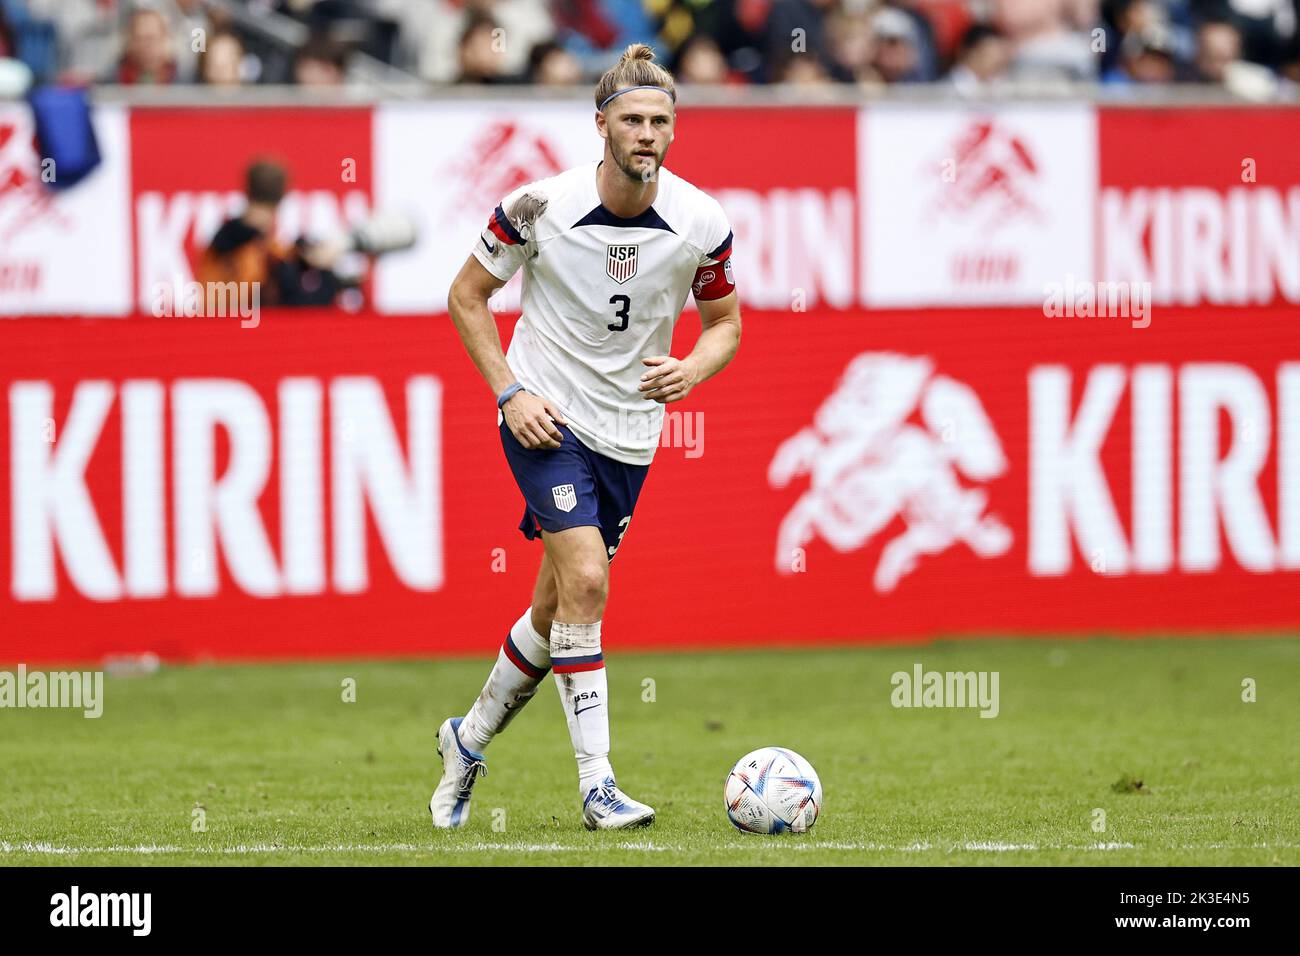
[[508, 394]]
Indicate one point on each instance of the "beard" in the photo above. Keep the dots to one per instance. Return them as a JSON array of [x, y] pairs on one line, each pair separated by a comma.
[[629, 164]]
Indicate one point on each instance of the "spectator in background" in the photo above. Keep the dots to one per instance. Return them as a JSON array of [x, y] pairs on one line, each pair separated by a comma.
[[549, 64], [1146, 56], [479, 52], [983, 57], [1082, 16], [597, 31], [365, 25], [738, 26], [1218, 61], [1123, 17], [796, 31], [150, 56], [896, 47], [1045, 46], [222, 62], [676, 21], [699, 60], [923, 40], [801, 69], [186, 19], [320, 63], [431, 32], [1218, 46], [1119, 19], [1267, 27], [947, 22], [853, 45], [89, 35]]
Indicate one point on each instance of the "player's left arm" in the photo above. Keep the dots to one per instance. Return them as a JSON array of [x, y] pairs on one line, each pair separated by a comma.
[[670, 380]]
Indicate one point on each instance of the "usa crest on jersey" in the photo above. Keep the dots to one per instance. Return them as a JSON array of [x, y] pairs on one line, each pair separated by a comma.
[[620, 263]]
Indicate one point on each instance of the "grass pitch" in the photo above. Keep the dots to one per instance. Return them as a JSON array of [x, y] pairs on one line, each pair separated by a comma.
[[268, 764]]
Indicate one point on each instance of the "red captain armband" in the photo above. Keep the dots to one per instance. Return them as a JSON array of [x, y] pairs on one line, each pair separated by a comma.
[[715, 281], [504, 231]]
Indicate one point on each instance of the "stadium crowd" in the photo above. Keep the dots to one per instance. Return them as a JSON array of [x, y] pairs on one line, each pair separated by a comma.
[[1250, 46]]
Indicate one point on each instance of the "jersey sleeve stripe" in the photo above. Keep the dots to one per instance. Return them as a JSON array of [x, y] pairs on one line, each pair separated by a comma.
[[503, 229], [723, 250]]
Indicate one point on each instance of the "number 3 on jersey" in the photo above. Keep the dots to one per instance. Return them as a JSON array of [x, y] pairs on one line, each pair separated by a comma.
[[621, 312]]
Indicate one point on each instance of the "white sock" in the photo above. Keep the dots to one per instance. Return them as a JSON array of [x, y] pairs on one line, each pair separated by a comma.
[[521, 664], [580, 678]]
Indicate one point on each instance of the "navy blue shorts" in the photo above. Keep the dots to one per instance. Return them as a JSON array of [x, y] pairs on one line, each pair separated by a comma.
[[572, 486]]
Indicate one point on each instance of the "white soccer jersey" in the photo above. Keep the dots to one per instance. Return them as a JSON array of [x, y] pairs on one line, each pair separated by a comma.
[[601, 293]]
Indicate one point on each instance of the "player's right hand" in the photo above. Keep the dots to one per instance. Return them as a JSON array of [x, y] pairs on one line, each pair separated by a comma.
[[532, 420]]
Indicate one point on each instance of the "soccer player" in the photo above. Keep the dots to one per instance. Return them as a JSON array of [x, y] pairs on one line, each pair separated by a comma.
[[610, 250]]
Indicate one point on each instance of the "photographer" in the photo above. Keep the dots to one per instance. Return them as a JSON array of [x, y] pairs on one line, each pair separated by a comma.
[[245, 249]]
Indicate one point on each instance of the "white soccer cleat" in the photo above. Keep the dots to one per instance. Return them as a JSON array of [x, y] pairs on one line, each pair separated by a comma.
[[608, 808], [449, 804]]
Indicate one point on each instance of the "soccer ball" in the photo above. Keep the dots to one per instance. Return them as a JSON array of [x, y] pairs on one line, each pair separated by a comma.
[[773, 790]]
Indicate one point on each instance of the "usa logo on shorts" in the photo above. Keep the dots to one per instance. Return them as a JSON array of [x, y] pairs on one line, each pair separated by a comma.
[[620, 263], [565, 497]]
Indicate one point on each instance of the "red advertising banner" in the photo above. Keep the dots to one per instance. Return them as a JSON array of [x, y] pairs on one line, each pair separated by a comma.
[[188, 171], [788, 181], [330, 485], [886, 206], [1213, 215], [64, 251]]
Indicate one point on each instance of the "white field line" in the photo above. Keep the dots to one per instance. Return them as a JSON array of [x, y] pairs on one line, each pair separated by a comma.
[[1017, 847], [50, 849]]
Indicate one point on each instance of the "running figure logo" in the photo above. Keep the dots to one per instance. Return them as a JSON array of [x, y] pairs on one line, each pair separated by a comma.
[[892, 441]]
